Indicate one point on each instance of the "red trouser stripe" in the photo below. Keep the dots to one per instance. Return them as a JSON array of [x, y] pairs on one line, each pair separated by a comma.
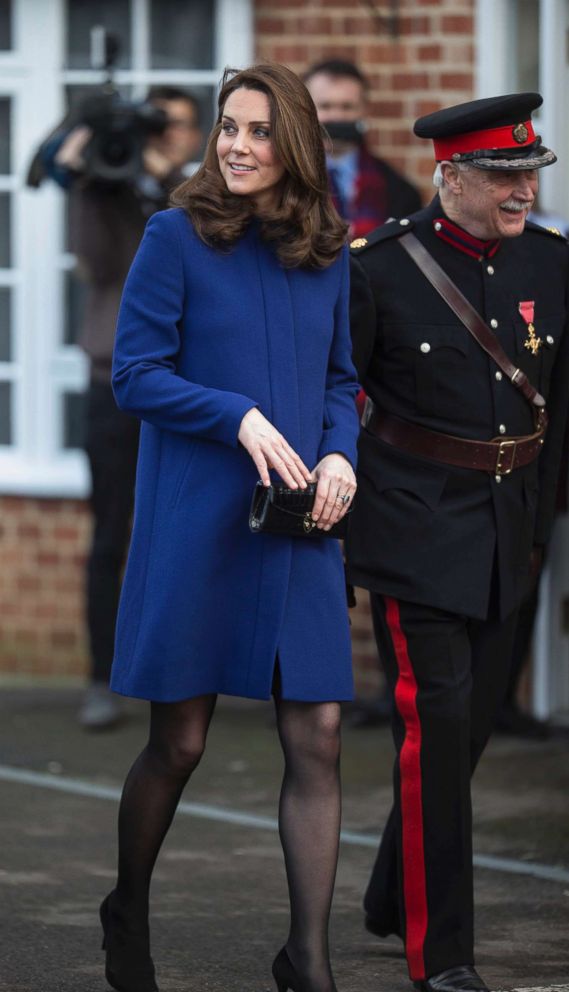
[[414, 882]]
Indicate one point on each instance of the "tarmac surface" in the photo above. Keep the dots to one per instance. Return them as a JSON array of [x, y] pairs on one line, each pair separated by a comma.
[[219, 903]]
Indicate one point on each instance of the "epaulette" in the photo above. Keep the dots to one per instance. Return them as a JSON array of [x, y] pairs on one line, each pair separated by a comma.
[[553, 232], [391, 229]]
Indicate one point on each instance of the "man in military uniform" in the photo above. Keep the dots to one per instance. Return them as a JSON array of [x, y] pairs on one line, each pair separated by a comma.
[[457, 476]]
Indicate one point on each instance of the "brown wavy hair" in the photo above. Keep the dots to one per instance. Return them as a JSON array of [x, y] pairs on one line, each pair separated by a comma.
[[305, 228]]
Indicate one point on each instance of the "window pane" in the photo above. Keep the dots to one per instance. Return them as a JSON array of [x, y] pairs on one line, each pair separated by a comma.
[[5, 252], [181, 34], [526, 60], [114, 15], [5, 325], [74, 307], [5, 413], [73, 420], [5, 25], [4, 136]]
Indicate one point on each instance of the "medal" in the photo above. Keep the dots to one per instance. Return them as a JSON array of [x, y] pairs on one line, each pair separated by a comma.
[[526, 309]]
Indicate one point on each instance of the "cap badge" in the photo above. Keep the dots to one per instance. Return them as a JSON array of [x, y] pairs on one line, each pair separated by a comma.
[[520, 133], [358, 243], [527, 309]]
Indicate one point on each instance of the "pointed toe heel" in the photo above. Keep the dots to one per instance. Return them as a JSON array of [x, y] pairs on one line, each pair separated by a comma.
[[128, 965]]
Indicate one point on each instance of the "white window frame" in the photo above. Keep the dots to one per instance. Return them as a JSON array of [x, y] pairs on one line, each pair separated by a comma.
[[495, 59], [44, 368]]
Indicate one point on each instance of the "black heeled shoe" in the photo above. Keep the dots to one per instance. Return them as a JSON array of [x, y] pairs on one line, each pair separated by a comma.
[[128, 966], [286, 976]]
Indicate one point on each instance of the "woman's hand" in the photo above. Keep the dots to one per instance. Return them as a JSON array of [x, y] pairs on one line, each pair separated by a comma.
[[269, 449], [335, 490]]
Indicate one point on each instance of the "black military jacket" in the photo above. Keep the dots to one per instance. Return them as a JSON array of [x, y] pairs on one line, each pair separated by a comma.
[[421, 530]]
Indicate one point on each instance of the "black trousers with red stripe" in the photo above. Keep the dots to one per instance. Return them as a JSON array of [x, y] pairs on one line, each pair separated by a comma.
[[448, 675]]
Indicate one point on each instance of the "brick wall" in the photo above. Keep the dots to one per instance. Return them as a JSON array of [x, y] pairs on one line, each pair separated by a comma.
[[42, 556], [429, 65]]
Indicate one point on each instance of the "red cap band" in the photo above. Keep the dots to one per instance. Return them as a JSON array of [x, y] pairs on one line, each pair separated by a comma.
[[491, 139]]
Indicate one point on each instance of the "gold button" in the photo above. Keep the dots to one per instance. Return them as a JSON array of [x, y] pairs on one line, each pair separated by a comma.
[[404, 222], [498, 376], [490, 270], [494, 323], [425, 347], [498, 478], [549, 339], [502, 428]]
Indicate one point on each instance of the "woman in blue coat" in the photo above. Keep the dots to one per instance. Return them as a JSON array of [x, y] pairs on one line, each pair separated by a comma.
[[233, 348]]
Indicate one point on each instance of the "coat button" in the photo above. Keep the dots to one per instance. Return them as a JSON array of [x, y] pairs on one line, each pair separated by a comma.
[[490, 270], [494, 323], [425, 347], [549, 339], [404, 222], [502, 428], [438, 226], [498, 478], [498, 376]]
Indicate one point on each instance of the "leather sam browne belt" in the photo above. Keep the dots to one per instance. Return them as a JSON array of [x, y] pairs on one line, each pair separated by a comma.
[[500, 456]]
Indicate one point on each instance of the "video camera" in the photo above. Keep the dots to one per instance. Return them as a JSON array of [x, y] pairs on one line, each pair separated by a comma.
[[120, 130], [120, 127]]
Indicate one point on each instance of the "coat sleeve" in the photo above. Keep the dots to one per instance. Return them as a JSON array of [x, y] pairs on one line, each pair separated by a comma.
[[145, 380], [341, 425]]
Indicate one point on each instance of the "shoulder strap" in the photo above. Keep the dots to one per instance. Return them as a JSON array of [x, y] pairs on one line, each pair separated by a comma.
[[469, 317]]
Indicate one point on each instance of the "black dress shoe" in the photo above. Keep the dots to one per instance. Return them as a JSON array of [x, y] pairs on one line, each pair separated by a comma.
[[382, 929], [463, 978]]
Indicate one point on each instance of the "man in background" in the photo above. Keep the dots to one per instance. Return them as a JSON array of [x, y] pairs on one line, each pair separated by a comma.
[[366, 190], [107, 220]]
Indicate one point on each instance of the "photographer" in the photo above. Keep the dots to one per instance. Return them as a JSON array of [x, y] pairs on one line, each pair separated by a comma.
[[108, 213]]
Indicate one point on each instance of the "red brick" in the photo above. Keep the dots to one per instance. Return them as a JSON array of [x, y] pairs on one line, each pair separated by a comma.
[[385, 108], [429, 53], [418, 24], [379, 53], [457, 24], [410, 80], [314, 25], [64, 638], [66, 533], [269, 25], [456, 80]]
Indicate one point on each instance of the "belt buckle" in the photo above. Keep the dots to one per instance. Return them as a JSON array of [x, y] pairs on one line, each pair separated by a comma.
[[504, 448]]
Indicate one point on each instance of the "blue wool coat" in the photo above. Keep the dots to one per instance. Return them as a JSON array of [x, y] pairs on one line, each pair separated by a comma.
[[204, 336]]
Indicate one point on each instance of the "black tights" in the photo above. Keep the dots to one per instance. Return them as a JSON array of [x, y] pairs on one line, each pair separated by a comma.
[[309, 816]]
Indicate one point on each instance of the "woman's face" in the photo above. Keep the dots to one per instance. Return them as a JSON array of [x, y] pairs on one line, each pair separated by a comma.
[[247, 159]]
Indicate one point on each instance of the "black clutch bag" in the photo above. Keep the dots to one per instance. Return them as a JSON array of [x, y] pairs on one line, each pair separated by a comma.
[[279, 510]]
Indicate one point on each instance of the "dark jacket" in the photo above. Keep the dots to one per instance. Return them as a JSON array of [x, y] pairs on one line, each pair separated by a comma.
[[380, 193], [106, 224], [421, 530]]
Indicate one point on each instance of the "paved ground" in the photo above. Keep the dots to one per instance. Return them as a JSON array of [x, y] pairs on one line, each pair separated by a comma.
[[219, 897]]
